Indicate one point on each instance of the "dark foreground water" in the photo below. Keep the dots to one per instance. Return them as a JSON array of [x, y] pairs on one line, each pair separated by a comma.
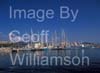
[[72, 60]]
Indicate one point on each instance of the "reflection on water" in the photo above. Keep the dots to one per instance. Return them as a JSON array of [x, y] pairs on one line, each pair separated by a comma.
[[93, 54]]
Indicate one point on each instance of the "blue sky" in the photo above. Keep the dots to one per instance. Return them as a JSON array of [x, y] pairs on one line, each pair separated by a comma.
[[85, 28]]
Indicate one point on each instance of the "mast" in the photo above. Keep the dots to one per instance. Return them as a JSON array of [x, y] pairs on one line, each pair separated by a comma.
[[52, 41], [55, 38], [63, 38], [31, 40]]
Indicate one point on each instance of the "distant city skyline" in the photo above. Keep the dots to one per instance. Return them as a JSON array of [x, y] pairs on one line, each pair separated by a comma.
[[85, 28]]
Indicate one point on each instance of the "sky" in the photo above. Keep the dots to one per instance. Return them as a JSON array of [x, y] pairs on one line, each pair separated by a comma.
[[86, 28]]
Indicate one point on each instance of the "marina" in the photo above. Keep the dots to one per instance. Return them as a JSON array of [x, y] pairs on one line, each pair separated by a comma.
[[41, 59], [51, 54]]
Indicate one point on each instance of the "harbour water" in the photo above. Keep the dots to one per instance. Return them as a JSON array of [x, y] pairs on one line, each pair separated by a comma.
[[93, 55]]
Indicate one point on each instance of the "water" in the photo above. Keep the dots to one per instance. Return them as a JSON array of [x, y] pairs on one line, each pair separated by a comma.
[[93, 54]]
